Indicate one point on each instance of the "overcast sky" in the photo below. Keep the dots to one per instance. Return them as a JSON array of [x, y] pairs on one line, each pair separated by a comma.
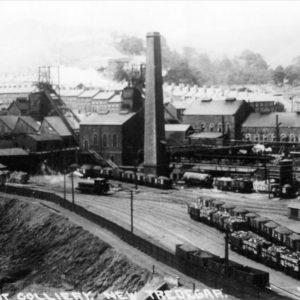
[[219, 28]]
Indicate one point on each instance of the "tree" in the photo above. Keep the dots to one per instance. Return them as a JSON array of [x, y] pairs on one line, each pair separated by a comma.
[[292, 72], [129, 45], [278, 76], [279, 107]]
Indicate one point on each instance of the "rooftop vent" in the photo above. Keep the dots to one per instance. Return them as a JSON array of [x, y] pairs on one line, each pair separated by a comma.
[[230, 99], [206, 100]]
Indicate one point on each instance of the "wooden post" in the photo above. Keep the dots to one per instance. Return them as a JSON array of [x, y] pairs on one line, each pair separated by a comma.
[[226, 246], [72, 181], [131, 210]]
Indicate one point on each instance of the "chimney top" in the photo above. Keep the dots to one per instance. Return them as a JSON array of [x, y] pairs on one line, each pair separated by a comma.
[[152, 34]]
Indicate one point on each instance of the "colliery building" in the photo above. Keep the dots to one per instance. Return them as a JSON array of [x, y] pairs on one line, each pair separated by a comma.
[[116, 136], [223, 116], [269, 127]]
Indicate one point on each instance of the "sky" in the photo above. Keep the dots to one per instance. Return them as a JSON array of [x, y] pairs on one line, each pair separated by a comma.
[[37, 31]]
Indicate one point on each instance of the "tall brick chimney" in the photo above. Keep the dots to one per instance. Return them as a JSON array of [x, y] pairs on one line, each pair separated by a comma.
[[154, 139]]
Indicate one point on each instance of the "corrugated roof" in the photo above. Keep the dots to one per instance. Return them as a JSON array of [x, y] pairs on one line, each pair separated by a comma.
[[214, 107], [9, 121], [177, 127], [58, 125], [286, 119], [70, 93], [206, 135], [12, 152], [181, 104], [116, 99], [104, 95], [89, 94], [31, 122], [17, 89], [294, 205], [112, 118]]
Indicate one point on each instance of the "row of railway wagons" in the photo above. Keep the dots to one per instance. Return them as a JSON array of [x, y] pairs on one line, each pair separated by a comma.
[[258, 248], [241, 185], [203, 261], [262, 233], [130, 177]]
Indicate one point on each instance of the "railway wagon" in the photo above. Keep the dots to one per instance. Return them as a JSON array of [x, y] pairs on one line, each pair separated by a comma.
[[197, 179], [259, 249], [98, 186], [280, 234], [193, 258]]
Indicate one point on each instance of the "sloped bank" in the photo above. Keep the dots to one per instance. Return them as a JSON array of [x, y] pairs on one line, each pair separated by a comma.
[[40, 247]]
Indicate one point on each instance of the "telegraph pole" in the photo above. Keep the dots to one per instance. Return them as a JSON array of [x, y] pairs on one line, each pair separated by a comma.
[[131, 210]]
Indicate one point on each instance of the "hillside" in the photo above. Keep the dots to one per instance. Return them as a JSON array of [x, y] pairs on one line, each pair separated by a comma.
[[41, 248]]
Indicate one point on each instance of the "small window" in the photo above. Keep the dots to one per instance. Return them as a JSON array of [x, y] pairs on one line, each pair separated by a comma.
[[114, 140], [86, 145], [227, 127], [211, 127], [256, 137], [248, 136], [202, 126], [104, 140], [292, 138], [282, 137], [271, 137], [220, 127], [95, 139]]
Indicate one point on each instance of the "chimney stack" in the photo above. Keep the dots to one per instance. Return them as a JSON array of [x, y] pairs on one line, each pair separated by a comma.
[[154, 139]]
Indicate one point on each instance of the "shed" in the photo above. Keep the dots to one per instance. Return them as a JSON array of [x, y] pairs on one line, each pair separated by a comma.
[[294, 210]]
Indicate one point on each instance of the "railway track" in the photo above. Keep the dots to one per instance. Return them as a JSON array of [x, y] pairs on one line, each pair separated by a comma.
[[168, 223]]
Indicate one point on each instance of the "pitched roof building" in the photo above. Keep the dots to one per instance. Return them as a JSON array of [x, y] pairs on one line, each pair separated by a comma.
[[261, 127], [217, 115], [116, 136]]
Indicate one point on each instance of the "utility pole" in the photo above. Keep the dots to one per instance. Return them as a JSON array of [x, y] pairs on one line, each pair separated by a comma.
[[131, 210], [72, 182], [226, 245]]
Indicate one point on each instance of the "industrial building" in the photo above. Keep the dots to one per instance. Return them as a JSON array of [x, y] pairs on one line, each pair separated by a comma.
[[269, 127], [116, 136], [223, 116]]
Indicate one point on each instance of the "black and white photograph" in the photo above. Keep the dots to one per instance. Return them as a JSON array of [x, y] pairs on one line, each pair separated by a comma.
[[149, 150]]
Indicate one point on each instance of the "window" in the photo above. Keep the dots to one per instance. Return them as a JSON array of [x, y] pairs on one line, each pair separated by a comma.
[[104, 140], [256, 137], [220, 127], [292, 137], [248, 136], [227, 127], [265, 137], [202, 127], [95, 139], [211, 127], [282, 137], [114, 140], [86, 145], [271, 137]]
